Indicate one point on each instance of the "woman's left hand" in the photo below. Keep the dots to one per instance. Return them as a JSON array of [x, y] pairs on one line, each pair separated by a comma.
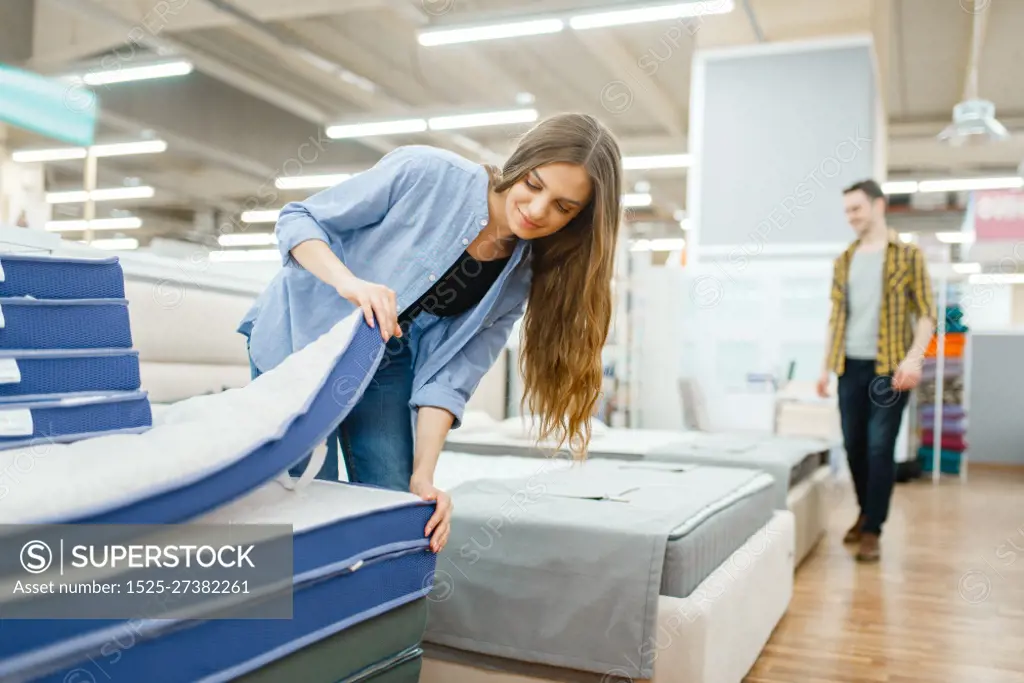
[[440, 523]]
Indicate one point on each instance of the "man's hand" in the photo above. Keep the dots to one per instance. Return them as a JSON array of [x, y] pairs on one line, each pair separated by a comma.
[[823, 384], [440, 523], [908, 374]]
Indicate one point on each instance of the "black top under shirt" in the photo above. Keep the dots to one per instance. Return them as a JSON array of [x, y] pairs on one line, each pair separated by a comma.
[[458, 290]]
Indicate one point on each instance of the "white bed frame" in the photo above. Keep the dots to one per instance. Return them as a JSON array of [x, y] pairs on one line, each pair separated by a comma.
[[713, 636], [808, 501]]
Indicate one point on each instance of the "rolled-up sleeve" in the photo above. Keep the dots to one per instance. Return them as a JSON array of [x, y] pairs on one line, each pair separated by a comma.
[[362, 200], [922, 295], [452, 387]]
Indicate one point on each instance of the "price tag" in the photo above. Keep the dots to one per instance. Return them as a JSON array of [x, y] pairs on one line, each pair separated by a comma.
[[16, 422], [10, 373]]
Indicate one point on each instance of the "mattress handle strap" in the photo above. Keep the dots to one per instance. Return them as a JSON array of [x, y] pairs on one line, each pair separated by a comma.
[[316, 462]]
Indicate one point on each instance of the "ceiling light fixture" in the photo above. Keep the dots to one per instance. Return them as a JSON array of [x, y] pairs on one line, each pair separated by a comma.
[[643, 163], [360, 130], [493, 118], [955, 237], [636, 199], [997, 279], [128, 223], [135, 73], [643, 15], [472, 34], [968, 184], [115, 243], [309, 182], [104, 195], [261, 216], [26, 156], [245, 255], [253, 239]]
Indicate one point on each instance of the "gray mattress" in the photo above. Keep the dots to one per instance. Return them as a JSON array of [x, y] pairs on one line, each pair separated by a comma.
[[788, 461], [575, 562], [694, 553]]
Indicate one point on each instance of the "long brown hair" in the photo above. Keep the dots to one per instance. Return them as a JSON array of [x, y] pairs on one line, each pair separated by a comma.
[[569, 309]]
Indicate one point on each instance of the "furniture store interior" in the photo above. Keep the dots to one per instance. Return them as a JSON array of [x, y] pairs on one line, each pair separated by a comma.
[[581, 341]]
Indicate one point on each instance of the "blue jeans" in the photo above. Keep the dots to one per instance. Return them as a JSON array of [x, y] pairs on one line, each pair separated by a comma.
[[376, 437], [871, 412]]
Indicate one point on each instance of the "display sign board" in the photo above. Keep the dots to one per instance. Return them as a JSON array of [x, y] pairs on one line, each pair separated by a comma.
[[999, 215], [57, 109]]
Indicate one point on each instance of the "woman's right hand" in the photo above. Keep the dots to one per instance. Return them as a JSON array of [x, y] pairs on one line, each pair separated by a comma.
[[376, 301]]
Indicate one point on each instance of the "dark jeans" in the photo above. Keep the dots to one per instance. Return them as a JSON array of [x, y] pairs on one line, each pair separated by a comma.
[[871, 412], [376, 437]]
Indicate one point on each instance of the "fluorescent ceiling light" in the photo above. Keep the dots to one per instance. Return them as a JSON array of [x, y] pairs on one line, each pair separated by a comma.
[[955, 237], [304, 182], [967, 184], [659, 244], [966, 268], [900, 187], [31, 156], [239, 255], [136, 73], [129, 223], [111, 150], [470, 34], [906, 237], [656, 161], [127, 148], [493, 118], [105, 195], [261, 216], [997, 279], [358, 130], [252, 239], [647, 14], [636, 199], [115, 243]]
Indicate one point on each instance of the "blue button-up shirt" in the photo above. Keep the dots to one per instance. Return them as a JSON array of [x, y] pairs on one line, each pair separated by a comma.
[[402, 224]]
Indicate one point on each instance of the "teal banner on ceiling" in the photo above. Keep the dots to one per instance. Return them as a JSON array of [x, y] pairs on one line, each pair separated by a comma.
[[58, 109]]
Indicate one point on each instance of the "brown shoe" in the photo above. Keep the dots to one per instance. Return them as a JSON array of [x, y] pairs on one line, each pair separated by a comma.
[[853, 535], [869, 550]]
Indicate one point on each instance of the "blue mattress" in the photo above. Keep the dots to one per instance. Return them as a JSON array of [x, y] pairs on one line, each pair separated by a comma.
[[55, 324], [57, 371], [220, 650], [60, 419], [321, 550], [52, 277]]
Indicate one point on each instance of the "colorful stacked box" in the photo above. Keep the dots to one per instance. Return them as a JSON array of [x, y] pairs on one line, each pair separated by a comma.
[[67, 368], [954, 415]]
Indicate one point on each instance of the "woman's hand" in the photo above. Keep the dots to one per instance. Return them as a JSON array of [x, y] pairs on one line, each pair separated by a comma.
[[441, 522], [377, 301]]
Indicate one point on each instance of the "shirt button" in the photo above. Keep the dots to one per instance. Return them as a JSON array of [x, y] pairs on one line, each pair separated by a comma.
[[483, 222], [432, 277], [464, 241]]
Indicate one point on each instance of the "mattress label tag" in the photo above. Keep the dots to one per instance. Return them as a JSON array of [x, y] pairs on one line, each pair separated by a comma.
[[10, 373], [3, 277], [16, 422], [3, 323]]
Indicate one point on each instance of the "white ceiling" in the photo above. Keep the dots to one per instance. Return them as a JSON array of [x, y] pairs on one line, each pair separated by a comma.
[[270, 75]]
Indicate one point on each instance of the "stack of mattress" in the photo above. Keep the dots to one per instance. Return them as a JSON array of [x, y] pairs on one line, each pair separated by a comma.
[[67, 367], [953, 436], [360, 567]]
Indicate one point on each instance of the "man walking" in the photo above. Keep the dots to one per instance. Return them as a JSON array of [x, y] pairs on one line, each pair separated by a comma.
[[883, 317]]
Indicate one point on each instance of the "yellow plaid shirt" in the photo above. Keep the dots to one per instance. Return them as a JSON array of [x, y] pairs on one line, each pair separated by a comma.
[[906, 297]]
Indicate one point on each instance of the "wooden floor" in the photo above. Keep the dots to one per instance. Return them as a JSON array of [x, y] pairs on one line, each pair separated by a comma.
[[944, 605]]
